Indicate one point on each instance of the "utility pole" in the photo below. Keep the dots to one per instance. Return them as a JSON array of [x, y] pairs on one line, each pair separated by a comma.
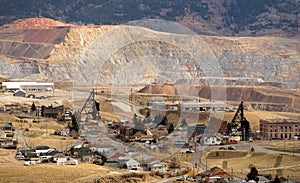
[[294, 146]]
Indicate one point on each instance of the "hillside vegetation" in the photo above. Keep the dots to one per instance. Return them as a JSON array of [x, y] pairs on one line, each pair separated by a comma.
[[223, 17]]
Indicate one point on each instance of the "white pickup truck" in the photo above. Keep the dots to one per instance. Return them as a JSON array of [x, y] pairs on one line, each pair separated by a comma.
[[29, 163]]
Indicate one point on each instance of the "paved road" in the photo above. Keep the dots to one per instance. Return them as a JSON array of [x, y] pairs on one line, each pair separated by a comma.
[[260, 148]]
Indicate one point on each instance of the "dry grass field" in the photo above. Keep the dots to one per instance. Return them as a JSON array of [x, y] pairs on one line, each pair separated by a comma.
[[52, 141], [50, 173], [238, 163], [7, 156], [291, 146]]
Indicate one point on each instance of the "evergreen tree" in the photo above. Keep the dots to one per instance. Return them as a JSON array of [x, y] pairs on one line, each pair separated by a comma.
[[252, 175], [33, 107], [170, 128], [103, 157], [74, 125], [276, 180]]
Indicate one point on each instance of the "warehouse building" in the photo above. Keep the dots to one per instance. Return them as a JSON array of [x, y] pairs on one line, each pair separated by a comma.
[[28, 86]]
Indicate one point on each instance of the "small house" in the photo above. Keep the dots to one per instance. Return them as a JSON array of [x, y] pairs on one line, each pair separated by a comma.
[[8, 144], [216, 173], [132, 164], [52, 112], [116, 157], [8, 127], [31, 96], [64, 132], [157, 166], [212, 140], [145, 138], [43, 149], [20, 93], [2, 135], [60, 159], [137, 135]]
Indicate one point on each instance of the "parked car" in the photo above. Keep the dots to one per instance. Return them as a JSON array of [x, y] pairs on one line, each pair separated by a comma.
[[20, 156], [189, 151], [231, 148], [222, 148], [29, 163], [191, 179], [181, 179]]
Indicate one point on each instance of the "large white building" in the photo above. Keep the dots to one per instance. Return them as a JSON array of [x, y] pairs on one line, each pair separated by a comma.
[[29, 86]]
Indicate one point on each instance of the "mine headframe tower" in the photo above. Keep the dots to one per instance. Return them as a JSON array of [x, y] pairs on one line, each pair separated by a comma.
[[90, 109], [239, 126]]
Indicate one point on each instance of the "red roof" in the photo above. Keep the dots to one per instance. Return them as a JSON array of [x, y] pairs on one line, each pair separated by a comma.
[[117, 155]]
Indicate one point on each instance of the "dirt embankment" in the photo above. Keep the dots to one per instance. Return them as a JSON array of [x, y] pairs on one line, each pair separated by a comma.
[[75, 42], [131, 177], [277, 99], [46, 39]]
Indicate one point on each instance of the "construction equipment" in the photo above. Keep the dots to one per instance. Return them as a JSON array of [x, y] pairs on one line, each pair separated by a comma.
[[239, 126]]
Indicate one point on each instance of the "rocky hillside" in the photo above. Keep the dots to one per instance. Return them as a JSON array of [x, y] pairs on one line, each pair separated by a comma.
[[222, 17], [43, 49]]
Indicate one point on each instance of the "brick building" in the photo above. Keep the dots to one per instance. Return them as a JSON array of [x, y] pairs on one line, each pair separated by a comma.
[[52, 112], [279, 128]]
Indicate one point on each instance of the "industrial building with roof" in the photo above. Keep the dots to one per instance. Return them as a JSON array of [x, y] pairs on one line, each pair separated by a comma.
[[29, 86]]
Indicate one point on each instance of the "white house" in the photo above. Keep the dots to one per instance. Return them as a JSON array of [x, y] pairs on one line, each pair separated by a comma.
[[60, 159], [2, 135], [132, 164], [43, 149], [65, 132], [157, 166], [212, 140]]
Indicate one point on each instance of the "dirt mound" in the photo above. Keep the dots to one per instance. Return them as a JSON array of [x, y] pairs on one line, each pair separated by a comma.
[[166, 89], [32, 23]]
